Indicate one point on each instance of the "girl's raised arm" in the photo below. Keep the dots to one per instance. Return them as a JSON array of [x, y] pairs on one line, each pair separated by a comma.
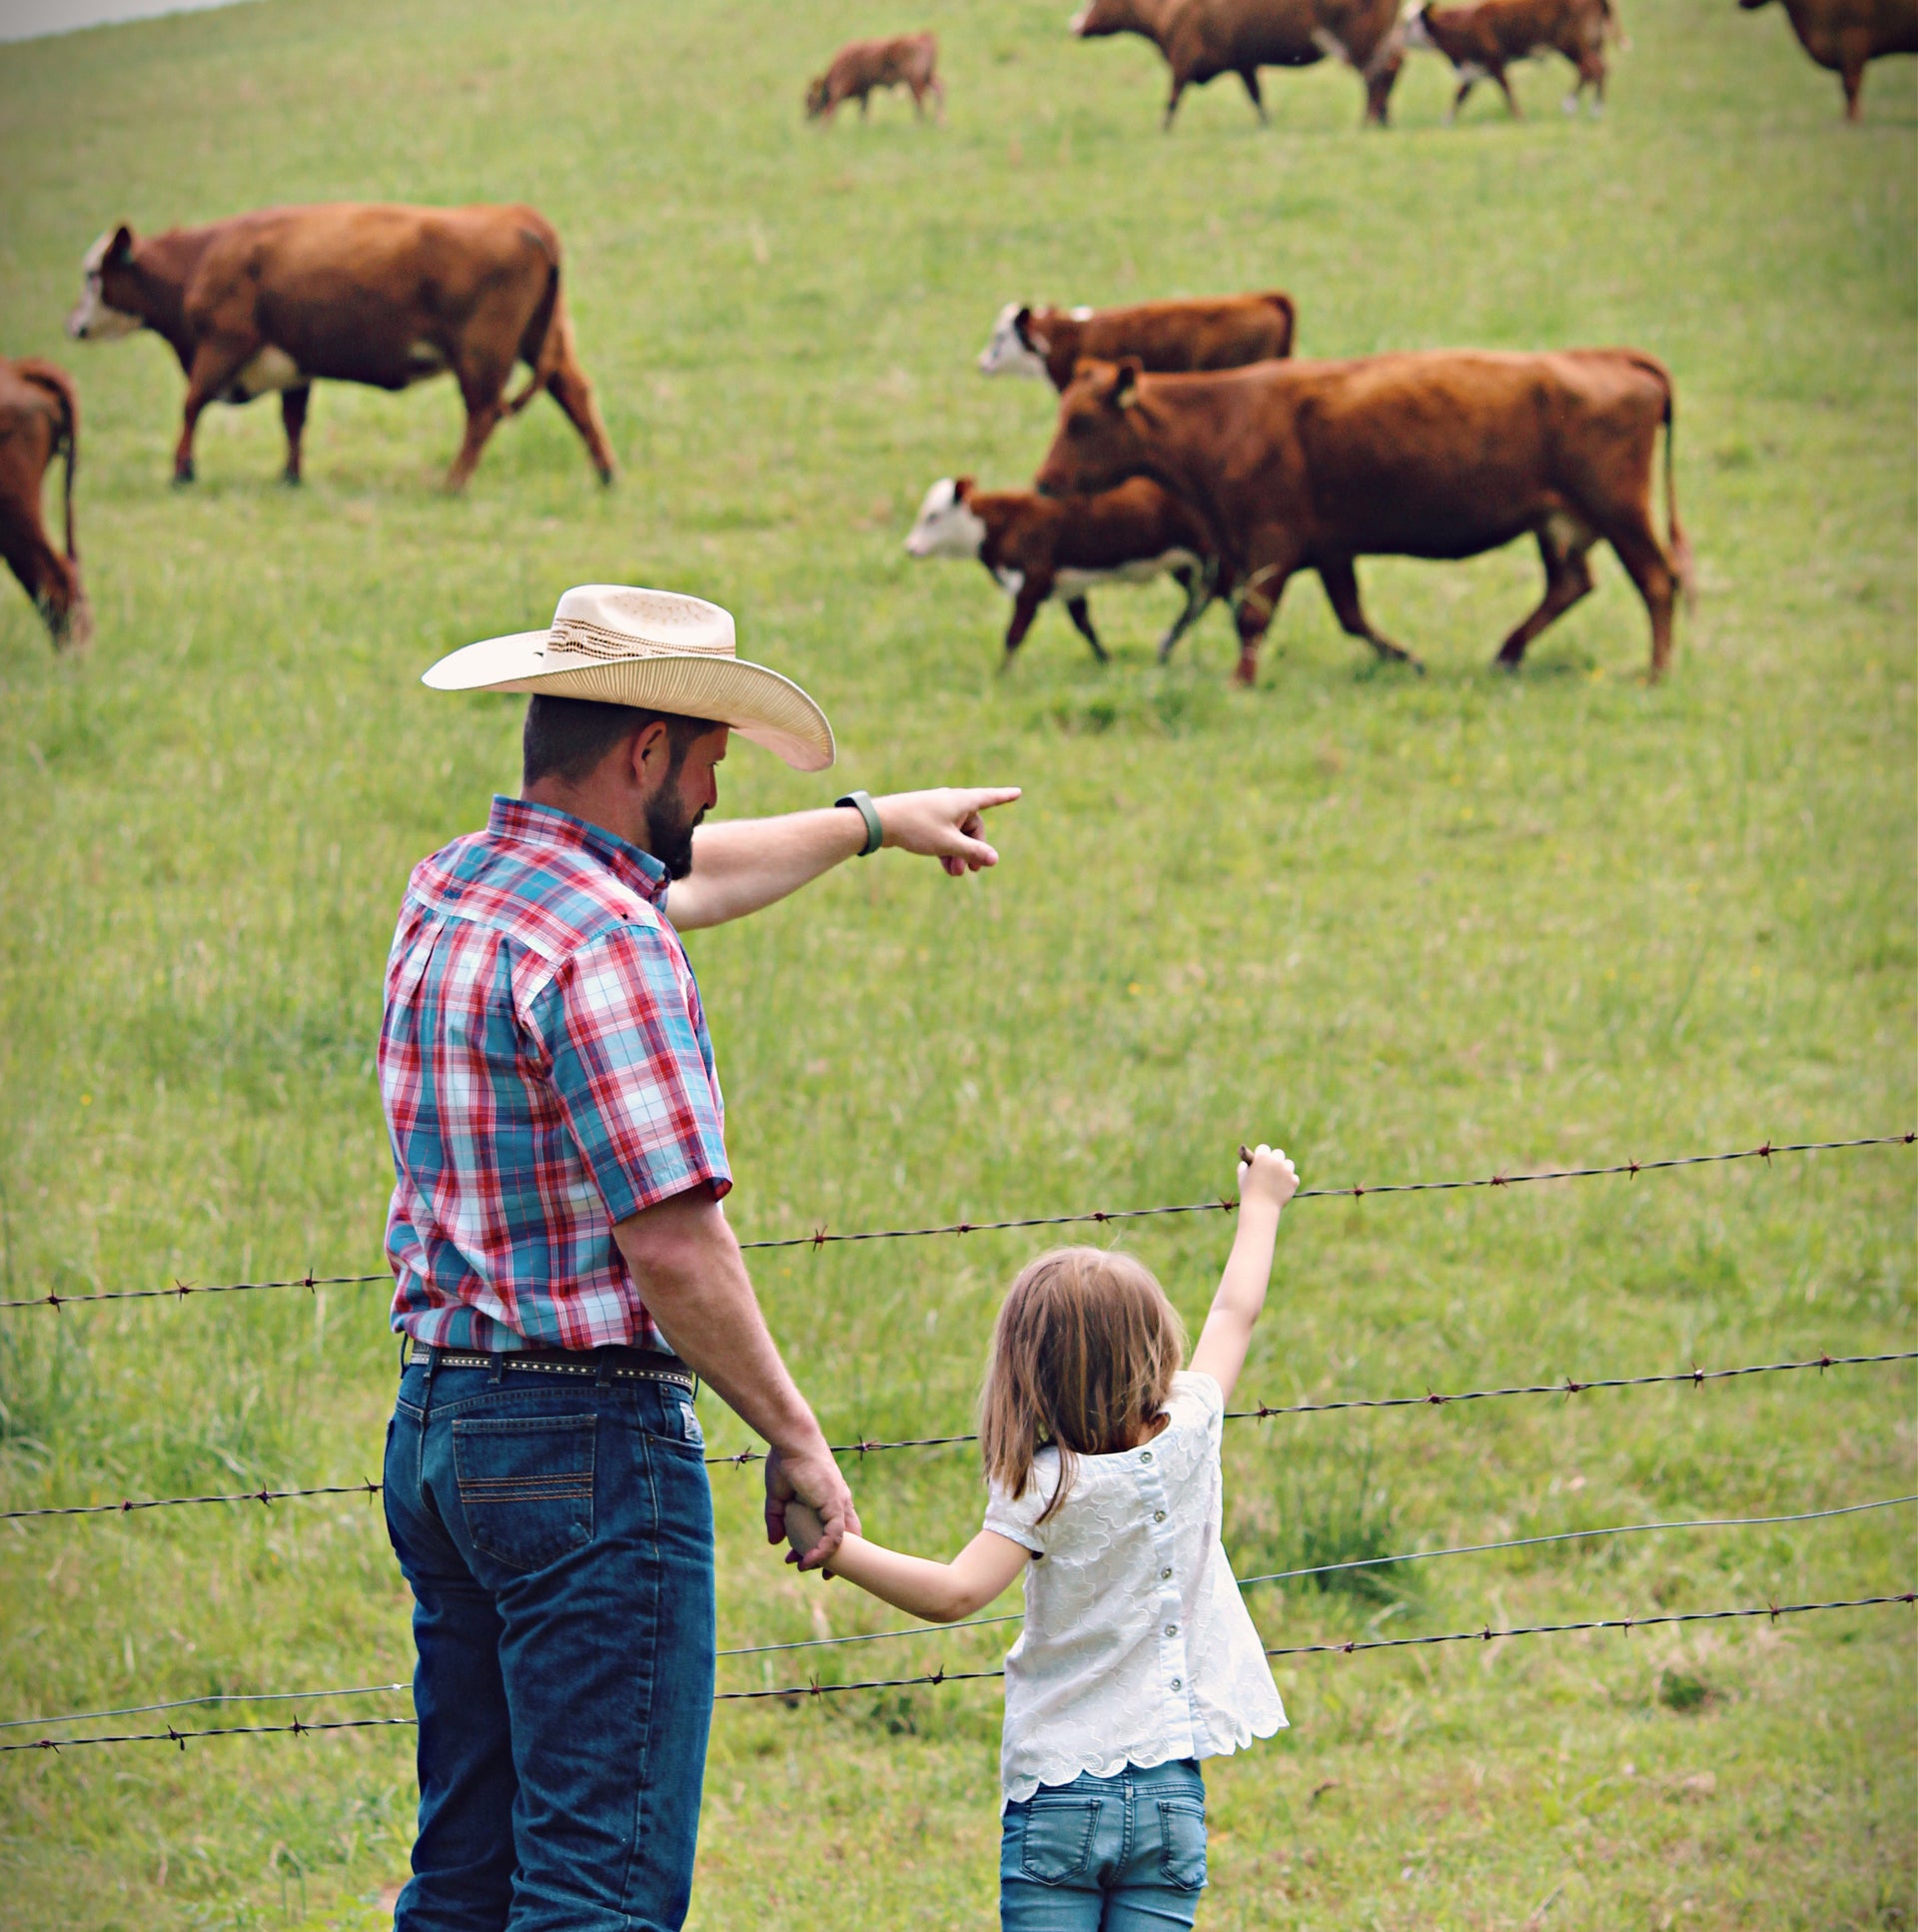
[[939, 1593], [1266, 1183]]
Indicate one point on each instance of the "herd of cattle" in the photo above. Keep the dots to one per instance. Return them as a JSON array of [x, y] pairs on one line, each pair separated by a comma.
[[1188, 440]]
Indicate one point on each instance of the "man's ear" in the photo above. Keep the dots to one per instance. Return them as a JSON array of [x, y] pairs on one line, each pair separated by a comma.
[[650, 750], [1125, 383]]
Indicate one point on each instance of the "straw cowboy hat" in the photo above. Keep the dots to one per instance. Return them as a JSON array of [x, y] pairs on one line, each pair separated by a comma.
[[615, 645]]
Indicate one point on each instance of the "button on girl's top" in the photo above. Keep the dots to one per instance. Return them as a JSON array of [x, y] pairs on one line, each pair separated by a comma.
[[1137, 1648]]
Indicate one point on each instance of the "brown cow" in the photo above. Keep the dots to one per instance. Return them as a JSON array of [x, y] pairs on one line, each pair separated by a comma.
[[1166, 337], [1302, 466], [1038, 548], [40, 420], [909, 60], [353, 293], [1202, 39], [1844, 34], [1481, 41]]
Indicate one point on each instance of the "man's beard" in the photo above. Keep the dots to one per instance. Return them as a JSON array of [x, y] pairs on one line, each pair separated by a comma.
[[669, 831]]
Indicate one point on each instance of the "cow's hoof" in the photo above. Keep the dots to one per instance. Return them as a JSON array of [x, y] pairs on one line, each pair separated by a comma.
[[606, 476], [183, 476], [1569, 104], [291, 478]]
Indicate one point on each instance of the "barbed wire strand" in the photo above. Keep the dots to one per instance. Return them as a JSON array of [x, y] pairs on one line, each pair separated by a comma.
[[822, 1237], [794, 1692], [210, 1698], [1694, 1377]]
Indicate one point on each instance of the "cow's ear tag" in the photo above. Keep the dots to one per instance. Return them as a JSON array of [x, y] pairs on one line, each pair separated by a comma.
[[1125, 396]]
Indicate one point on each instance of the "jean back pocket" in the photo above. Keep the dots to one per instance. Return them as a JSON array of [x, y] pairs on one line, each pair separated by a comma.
[[1182, 1835], [525, 1484], [1056, 1841]]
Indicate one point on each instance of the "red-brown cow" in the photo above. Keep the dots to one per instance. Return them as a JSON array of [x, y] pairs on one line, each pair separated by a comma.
[[1166, 337], [1302, 466], [1844, 34], [909, 60], [353, 293], [40, 420], [1481, 41], [1040, 547], [1202, 39]]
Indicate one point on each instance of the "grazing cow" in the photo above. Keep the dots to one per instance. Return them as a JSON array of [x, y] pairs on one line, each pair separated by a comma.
[[1302, 465], [1481, 41], [858, 67], [40, 420], [1844, 34], [353, 293], [1040, 547], [1166, 337], [1202, 39]]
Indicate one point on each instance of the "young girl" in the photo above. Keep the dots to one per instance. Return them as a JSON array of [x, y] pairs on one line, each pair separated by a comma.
[[1137, 1658]]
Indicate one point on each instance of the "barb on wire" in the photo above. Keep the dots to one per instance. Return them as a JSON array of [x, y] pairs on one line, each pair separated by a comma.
[[1695, 1376], [815, 1688], [822, 1237]]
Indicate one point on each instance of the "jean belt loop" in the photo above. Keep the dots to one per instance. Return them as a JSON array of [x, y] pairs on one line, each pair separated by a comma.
[[602, 1369], [496, 1368], [426, 1394]]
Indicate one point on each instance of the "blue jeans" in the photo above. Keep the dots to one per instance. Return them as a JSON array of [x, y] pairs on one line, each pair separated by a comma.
[[1120, 1854], [557, 1541]]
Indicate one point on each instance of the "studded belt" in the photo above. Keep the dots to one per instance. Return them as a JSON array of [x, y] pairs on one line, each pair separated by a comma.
[[586, 1364]]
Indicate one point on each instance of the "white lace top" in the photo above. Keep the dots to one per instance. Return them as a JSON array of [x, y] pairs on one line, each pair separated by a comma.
[[1137, 1648]]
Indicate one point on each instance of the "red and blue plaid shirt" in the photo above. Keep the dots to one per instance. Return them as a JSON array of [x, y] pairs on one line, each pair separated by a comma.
[[546, 1071]]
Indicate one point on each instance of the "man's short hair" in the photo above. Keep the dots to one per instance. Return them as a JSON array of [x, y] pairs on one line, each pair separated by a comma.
[[566, 737]]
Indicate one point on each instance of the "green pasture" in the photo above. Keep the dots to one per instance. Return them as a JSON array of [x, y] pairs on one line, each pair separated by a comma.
[[1409, 927]]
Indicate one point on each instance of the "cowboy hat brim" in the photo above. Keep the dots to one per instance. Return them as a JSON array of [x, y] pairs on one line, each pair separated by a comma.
[[756, 703]]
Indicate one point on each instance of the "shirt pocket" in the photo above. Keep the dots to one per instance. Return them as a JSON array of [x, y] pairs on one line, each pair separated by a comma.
[[1056, 1841], [526, 1486], [1182, 1842]]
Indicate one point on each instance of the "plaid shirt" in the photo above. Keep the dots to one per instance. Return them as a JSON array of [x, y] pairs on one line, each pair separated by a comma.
[[546, 1072]]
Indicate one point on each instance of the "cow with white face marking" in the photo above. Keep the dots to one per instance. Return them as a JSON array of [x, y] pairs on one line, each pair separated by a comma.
[[355, 293], [1041, 547], [1483, 41], [1168, 338]]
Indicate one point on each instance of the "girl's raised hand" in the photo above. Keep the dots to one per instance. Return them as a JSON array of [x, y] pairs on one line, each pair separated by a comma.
[[1267, 1176]]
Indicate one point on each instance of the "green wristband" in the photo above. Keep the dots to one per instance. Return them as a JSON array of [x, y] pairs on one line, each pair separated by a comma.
[[861, 802]]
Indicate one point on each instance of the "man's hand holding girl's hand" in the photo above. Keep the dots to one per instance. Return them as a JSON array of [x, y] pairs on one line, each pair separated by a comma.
[[805, 1485], [804, 1532], [1266, 1177]]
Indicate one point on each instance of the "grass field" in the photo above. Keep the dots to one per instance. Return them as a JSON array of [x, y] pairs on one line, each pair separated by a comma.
[[1410, 927]]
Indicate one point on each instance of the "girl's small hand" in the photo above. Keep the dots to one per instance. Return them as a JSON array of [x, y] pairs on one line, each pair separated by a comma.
[[803, 1530], [1267, 1176]]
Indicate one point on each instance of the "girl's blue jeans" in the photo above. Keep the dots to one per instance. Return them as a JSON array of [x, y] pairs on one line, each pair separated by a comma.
[[1120, 1854], [559, 1545]]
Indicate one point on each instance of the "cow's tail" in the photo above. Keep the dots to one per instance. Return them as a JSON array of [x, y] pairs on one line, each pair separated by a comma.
[[1277, 300], [52, 377], [1675, 540], [541, 345]]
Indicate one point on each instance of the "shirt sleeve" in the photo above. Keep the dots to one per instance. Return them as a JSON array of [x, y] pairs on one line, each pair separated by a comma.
[[631, 1074], [1203, 1399], [1017, 1517]]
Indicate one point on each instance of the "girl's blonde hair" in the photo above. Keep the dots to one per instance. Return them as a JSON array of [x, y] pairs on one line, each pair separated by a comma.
[[1083, 1356]]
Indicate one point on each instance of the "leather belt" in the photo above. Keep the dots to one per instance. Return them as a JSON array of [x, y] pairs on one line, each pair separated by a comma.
[[586, 1364]]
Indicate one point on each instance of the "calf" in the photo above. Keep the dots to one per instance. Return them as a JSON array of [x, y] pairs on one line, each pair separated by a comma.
[[858, 67], [1481, 41], [1038, 548], [1166, 337], [1844, 34], [40, 420], [355, 293], [1202, 39], [1446, 454]]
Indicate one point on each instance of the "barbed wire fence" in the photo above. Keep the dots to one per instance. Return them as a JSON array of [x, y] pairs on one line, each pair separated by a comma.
[[822, 1237]]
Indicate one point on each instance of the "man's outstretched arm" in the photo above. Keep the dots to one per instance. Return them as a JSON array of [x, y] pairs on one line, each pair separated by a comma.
[[742, 864]]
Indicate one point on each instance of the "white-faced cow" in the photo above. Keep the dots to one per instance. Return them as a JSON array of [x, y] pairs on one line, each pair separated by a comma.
[[40, 420], [1225, 332], [351, 293], [1202, 39], [1308, 466], [1483, 41], [863, 66], [1041, 547], [1845, 35]]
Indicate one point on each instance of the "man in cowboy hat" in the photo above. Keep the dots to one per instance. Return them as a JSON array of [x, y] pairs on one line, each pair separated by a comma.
[[564, 1270]]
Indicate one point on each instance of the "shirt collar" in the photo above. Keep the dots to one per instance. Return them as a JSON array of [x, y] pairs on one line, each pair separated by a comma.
[[536, 825]]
